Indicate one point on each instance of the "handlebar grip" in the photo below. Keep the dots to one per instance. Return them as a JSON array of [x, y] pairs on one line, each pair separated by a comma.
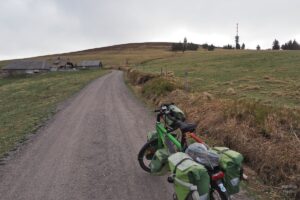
[[167, 104], [156, 110]]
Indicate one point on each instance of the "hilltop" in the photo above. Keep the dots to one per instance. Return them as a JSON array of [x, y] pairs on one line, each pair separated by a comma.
[[112, 54]]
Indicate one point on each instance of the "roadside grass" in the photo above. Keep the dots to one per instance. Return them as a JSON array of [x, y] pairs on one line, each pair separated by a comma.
[[157, 87], [267, 137], [29, 100], [258, 75]]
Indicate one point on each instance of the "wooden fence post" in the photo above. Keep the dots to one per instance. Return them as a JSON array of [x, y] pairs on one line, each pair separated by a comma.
[[186, 86]]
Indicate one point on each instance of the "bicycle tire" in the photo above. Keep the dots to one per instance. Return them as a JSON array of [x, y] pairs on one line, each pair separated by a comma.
[[151, 144], [221, 195]]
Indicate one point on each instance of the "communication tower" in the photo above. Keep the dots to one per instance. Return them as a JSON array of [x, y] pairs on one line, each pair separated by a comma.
[[237, 37]]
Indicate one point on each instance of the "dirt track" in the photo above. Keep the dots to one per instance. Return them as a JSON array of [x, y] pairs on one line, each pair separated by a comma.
[[88, 151]]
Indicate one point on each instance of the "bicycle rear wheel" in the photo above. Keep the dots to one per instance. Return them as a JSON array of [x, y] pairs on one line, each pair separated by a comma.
[[219, 195], [146, 154]]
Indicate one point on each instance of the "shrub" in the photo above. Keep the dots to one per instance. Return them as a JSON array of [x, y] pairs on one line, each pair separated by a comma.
[[228, 46], [158, 87], [205, 46], [211, 47], [182, 47]]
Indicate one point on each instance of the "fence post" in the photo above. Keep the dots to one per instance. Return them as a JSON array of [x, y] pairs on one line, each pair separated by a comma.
[[186, 87], [166, 71]]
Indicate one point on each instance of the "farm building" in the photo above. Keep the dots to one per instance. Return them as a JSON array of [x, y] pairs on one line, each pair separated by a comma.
[[26, 67], [90, 64], [61, 64]]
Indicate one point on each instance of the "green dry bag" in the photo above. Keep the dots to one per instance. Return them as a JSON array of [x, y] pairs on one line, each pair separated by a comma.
[[189, 171], [231, 164], [159, 163]]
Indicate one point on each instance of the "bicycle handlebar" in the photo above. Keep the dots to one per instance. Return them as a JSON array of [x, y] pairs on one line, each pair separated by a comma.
[[162, 106]]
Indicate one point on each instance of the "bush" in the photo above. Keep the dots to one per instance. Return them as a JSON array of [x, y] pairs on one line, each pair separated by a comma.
[[205, 46], [211, 47], [136, 78], [228, 46], [180, 47], [157, 87], [192, 46]]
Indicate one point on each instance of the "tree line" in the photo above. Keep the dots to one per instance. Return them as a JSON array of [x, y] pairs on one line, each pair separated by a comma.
[[238, 46], [290, 45], [184, 46]]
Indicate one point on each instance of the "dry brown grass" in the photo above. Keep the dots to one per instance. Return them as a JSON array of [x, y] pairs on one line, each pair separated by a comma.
[[230, 91], [252, 87], [273, 80], [277, 93], [268, 139]]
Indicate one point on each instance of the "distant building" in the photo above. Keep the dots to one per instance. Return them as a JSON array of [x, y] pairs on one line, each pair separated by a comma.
[[26, 67], [90, 64], [61, 64]]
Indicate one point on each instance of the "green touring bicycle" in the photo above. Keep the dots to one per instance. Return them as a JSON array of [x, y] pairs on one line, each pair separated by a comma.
[[197, 171]]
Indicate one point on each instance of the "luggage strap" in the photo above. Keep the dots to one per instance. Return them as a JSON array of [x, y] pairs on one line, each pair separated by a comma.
[[175, 169], [223, 151]]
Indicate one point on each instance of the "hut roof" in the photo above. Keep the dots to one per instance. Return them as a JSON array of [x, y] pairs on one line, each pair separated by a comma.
[[90, 63], [60, 61], [27, 65]]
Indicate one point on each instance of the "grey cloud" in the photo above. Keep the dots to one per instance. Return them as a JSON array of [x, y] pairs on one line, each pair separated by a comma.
[[34, 27]]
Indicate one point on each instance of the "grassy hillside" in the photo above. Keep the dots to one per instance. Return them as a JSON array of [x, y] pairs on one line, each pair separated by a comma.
[[130, 54], [261, 75], [27, 101]]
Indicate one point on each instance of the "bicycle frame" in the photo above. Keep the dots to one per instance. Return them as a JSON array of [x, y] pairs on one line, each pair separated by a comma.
[[163, 134]]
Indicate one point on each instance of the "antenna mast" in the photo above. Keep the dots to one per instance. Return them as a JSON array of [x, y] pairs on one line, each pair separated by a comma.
[[237, 37]]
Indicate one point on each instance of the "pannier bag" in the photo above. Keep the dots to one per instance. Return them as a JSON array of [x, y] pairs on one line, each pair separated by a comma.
[[159, 163], [174, 114], [231, 164], [201, 154], [152, 135], [189, 171]]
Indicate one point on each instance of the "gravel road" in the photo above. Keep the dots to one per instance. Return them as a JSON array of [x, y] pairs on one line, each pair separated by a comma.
[[87, 151]]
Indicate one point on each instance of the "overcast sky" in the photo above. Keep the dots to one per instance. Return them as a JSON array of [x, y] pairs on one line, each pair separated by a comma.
[[37, 27]]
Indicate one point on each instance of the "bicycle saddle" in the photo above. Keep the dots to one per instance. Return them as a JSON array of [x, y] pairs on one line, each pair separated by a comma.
[[187, 127]]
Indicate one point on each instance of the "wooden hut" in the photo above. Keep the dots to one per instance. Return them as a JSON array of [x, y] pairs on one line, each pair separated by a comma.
[[26, 67], [90, 64]]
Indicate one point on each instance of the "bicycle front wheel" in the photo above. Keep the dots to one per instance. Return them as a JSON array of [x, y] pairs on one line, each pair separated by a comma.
[[146, 154]]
